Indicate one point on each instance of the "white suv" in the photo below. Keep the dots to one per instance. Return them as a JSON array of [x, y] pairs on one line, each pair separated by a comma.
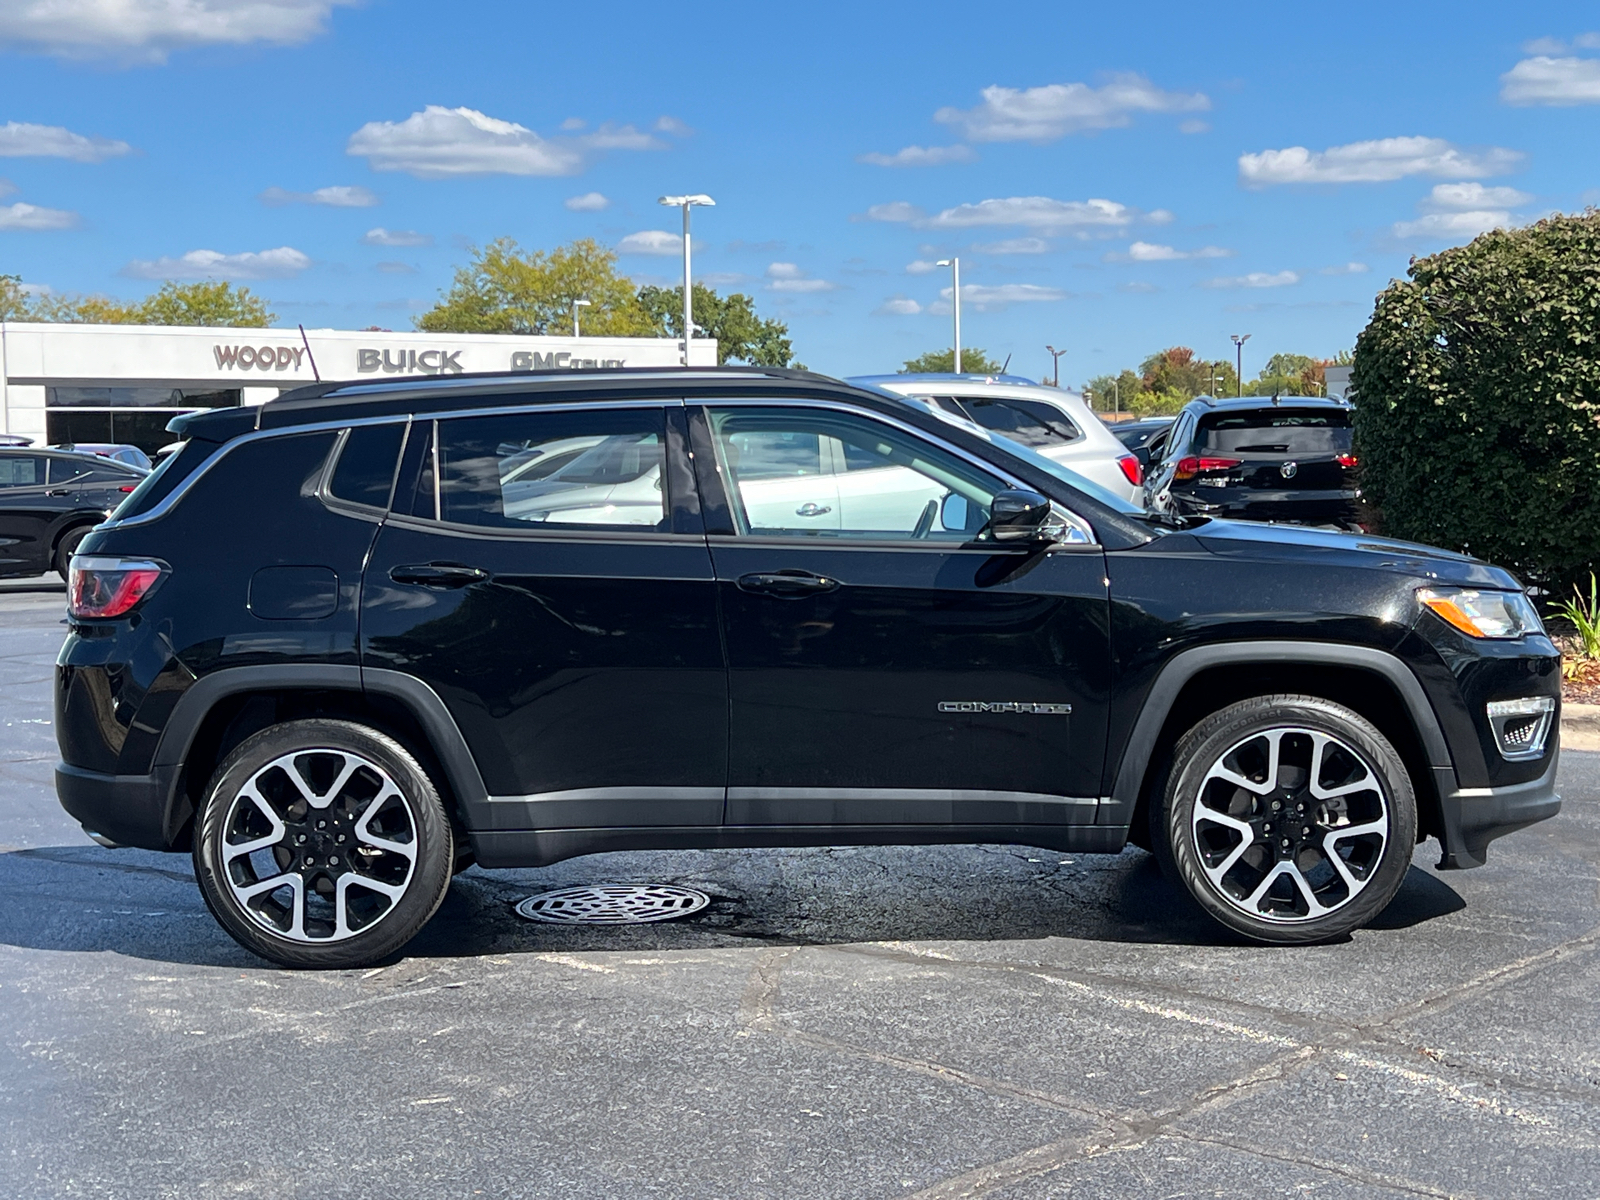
[[1051, 421]]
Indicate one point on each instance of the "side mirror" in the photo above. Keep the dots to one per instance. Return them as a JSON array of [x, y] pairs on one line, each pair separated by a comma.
[[1019, 516]]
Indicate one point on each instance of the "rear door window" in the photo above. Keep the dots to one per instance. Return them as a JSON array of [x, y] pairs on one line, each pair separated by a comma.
[[1276, 431], [67, 470], [595, 469], [1031, 422]]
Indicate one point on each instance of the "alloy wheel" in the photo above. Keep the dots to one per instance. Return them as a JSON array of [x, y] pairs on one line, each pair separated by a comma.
[[1290, 824], [319, 845]]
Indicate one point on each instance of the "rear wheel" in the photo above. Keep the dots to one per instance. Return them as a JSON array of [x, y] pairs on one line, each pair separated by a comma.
[[68, 546], [322, 844], [1288, 819]]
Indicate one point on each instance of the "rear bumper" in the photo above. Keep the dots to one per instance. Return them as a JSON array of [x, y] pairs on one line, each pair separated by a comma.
[[1474, 817], [130, 810]]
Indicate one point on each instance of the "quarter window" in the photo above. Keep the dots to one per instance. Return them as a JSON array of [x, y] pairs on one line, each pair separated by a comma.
[[536, 470], [21, 471], [364, 473], [811, 473]]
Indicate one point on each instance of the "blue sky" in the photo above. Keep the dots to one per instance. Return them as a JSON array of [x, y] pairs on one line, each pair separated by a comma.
[[1114, 180]]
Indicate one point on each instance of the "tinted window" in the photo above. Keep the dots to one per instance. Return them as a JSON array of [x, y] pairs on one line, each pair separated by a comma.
[[17, 470], [1031, 422], [365, 471], [164, 480], [66, 470], [605, 470], [1277, 431]]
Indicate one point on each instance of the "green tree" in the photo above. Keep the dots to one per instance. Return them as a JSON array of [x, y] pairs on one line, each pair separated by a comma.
[[209, 303], [741, 334], [506, 290], [14, 304], [943, 362], [1479, 378]]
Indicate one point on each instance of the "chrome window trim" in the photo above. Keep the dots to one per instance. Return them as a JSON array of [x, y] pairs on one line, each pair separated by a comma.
[[170, 501], [985, 465]]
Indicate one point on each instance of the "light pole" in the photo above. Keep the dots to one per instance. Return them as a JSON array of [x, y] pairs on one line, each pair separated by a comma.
[[1238, 346], [1055, 380], [955, 292], [576, 305], [686, 203]]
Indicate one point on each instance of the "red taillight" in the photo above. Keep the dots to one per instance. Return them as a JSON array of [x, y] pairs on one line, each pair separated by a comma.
[[127, 487], [1346, 460], [1131, 470], [109, 587], [1188, 468]]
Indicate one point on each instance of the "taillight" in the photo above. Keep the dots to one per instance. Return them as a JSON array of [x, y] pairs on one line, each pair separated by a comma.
[[1131, 470], [109, 587], [1188, 468], [1346, 460], [127, 487]]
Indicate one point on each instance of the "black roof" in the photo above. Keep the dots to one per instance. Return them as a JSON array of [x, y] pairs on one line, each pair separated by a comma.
[[356, 399]]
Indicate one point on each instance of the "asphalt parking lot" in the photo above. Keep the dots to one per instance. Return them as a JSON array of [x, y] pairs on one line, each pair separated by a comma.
[[945, 1022]]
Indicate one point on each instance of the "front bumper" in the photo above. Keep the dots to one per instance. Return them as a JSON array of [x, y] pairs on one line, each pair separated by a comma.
[[130, 810], [1474, 817]]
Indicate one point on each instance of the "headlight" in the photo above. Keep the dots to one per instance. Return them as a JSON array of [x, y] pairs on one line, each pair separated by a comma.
[[1483, 614]]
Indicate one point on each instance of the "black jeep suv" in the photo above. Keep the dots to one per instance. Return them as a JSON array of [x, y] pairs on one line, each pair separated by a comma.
[[1256, 458], [511, 619]]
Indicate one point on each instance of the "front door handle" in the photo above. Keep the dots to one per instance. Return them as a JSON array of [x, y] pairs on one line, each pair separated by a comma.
[[438, 575], [787, 585], [813, 510]]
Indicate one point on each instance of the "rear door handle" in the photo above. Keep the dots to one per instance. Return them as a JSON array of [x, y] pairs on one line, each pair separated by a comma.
[[438, 575], [59, 492], [787, 585]]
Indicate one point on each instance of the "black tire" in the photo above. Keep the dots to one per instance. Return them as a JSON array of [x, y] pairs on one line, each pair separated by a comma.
[[68, 546], [1307, 897], [333, 853]]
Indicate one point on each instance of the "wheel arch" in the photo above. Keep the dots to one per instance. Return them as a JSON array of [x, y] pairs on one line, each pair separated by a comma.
[[220, 710], [1198, 682]]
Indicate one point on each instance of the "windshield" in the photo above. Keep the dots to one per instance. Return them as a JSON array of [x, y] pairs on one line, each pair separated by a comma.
[[1065, 474]]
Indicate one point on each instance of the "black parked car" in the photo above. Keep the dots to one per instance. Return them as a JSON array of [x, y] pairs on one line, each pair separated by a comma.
[[1260, 459], [514, 619], [49, 499]]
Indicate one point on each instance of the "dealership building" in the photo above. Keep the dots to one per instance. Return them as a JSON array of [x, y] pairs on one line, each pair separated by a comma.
[[123, 383]]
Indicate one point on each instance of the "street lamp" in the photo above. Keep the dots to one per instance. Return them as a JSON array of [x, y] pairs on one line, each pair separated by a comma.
[[1055, 354], [686, 203], [1238, 346], [576, 305], [955, 291]]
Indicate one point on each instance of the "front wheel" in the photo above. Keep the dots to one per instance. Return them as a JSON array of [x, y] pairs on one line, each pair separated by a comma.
[[1288, 819], [322, 843]]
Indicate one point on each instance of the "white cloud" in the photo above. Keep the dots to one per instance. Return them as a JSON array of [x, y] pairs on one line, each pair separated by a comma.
[[588, 202], [1349, 268], [1374, 162], [1021, 245], [1138, 287], [895, 210], [920, 156], [340, 196], [1452, 226], [1552, 81], [788, 277], [284, 262], [1151, 252], [921, 266], [1461, 196], [148, 30], [20, 140], [1041, 213], [721, 278], [1043, 114], [651, 241], [1255, 279], [442, 143], [899, 306], [673, 126], [987, 297], [396, 237], [32, 217]]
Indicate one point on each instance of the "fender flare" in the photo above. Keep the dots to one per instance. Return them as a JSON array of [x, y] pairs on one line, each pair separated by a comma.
[[423, 703], [1184, 666]]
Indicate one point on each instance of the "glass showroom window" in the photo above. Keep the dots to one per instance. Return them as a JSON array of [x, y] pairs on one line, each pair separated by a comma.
[[134, 416]]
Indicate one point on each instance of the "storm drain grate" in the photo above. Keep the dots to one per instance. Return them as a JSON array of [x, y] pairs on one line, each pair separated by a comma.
[[613, 904]]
